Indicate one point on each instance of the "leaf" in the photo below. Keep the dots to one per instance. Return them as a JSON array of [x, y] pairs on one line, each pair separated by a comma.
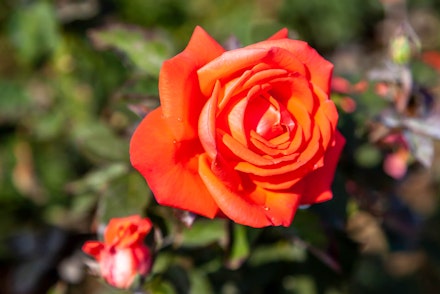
[[204, 232], [97, 141], [126, 195], [158, 285], [301, 284], [199, 283], [367, 155], [282, 251], [240, 246], [97, 179], [14, 101], [146, 50], [33, 30]]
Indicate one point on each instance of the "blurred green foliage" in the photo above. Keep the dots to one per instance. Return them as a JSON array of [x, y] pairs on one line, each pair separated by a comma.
[[74, 78]]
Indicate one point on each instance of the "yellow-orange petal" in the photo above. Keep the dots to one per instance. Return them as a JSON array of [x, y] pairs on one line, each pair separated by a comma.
[[163, 161]]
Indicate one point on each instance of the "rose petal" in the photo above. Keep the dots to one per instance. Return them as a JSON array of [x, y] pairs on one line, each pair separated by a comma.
[[93, 248], [263, 76], [300, 90], [232, 204], [243, 153], [227, 65], [126, 231], [302, 117], [232, 88], [278, 182], [207, 124], [170, 167], [117, 226], [309, 156], [331, 112], [325, 127], [281, 34], [281, 207], [281, 58], [258, 209], [179, 91], [319, 69], [318, 183]]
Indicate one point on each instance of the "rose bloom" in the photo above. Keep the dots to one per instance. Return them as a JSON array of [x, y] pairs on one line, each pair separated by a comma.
[[248, 134], [122, 256]]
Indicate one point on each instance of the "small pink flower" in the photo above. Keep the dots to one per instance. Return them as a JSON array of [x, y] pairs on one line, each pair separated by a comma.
[[395, 164], [122, 256]]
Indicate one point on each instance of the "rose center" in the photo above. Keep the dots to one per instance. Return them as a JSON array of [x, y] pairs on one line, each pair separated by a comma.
[[267, 117]]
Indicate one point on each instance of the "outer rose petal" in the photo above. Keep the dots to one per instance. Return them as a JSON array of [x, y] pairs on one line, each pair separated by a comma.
[[233, 205], [320, 69], [93, 248], [261, 208], [125, 231], [170, 167], [317, 184], [281, 207], [281, 34], [180, 95]]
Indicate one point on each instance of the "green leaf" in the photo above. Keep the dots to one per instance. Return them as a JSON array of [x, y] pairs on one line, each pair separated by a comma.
[[368, 156], [157, 285], [98, 179], [33, 31], [145, 50], [240, 246], [204, 232], [97, 141], [307, 226], [199, 283], [14, 101], [282, 251], [126, 195], [300, 284]]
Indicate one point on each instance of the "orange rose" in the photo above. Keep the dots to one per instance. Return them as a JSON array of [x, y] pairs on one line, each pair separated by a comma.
[[122, 256], [249, 134]]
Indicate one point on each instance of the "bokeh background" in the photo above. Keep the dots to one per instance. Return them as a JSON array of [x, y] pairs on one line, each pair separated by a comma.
[[76, 76]]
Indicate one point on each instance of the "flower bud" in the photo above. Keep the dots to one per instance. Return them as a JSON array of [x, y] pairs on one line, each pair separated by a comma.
[[400, 50], [122, 257]]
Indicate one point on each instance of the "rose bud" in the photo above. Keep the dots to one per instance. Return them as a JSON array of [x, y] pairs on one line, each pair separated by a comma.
[[122, 257]]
